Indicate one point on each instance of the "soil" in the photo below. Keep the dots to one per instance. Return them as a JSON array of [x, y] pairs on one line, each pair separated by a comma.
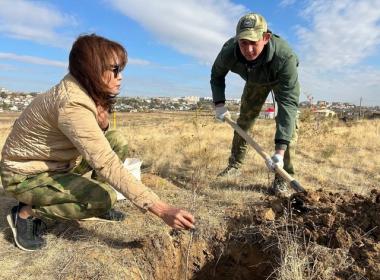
[[346, 225], [338, 232], [343, 221]]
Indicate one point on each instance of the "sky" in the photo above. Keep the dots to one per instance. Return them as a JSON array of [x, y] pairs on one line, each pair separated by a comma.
[[172, 44]]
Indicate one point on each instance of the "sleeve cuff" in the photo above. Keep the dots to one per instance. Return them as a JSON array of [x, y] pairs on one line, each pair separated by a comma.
[[281, 147], [219, 102], [145, 200], [281, 144]]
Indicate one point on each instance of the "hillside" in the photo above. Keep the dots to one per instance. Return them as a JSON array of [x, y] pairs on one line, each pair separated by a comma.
[[241, 231]]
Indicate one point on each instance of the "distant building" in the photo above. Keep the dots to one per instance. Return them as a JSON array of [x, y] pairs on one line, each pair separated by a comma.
[[322, 104], [162, 99], [4, 90], [325, 113], [304, 104], [349, 105], [375, 115], [191, 99], [205, 99], [233, 101], [269, 113]]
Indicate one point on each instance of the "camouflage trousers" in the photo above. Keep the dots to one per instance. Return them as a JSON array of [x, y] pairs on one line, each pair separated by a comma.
[[66, 195], [252, 101]]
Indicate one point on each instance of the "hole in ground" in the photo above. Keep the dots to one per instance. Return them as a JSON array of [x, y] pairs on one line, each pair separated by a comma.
[[239, 261], [339, 235]]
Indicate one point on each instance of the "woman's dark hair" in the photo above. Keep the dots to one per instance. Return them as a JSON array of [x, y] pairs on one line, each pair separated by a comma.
[[90, 56]]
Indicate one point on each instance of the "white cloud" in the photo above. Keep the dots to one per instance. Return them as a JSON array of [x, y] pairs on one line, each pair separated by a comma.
[[56, 63], [347, 85], [341, 37], [32, 60], [342, 33], [137, 61], [285, 3], [192, 27], [6, 67], [35, 21]]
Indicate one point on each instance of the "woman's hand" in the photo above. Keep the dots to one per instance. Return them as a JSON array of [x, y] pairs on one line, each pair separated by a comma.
[[172, 216], [102, 117]]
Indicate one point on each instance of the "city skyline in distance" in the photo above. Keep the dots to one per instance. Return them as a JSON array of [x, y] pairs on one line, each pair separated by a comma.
[[171, 51]]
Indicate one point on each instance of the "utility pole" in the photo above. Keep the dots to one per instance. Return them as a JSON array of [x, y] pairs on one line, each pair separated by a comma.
[[360, 108]]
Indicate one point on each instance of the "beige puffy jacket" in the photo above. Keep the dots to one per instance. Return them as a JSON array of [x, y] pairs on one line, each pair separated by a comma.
[[59, 126]]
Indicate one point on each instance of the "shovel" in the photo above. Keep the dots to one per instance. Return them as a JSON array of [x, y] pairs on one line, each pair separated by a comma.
[[289, 179]]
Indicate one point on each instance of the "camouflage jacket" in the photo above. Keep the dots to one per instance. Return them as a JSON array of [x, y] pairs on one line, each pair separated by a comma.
[[276, 70]]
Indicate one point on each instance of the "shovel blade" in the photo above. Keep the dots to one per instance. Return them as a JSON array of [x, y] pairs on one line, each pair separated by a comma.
[[297, 187]]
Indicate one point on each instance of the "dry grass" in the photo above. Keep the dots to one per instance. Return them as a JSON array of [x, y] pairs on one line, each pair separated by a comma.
[[331, 155], [304, 260], [340, 157], [188, 150]]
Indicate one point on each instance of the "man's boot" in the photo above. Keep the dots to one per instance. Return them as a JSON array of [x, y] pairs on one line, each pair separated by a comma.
[[230, 171], [279, 187]]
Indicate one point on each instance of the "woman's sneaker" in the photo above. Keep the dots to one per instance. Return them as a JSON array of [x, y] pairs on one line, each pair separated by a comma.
[[26, 232], [111, 215]]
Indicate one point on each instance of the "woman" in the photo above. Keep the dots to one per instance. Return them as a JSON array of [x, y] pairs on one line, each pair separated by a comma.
[[41, 152]]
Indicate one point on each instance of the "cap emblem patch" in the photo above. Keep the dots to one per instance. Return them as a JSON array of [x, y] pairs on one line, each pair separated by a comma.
[[248, 23]]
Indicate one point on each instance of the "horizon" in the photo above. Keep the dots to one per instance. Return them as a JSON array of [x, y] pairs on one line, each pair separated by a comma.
[[171, 49], [268, 100]]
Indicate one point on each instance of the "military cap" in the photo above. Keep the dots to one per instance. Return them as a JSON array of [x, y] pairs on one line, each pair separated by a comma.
[[251, 27]]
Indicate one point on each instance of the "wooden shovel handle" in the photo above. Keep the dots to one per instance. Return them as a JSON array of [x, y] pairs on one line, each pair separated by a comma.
[[282, 172]]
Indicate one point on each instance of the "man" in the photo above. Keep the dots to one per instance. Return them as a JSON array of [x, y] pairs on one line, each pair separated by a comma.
[[266, 63]]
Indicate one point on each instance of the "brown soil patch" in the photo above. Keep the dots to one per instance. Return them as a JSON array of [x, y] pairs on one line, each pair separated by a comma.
[[345, 221], [248, 248], [239, 261], [245, 247]]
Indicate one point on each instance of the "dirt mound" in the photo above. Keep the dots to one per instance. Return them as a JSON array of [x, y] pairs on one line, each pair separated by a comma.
[[345, 221], [339, 220], [337, 232]]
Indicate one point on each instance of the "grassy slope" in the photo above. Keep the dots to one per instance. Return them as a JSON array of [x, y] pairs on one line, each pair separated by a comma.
[[188, 150]]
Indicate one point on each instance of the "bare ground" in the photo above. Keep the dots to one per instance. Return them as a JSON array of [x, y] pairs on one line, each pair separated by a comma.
[[242, 232]]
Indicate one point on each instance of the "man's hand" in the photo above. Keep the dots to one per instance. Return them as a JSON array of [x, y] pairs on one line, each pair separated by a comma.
[[221, 112], [102, 117], [172, 216], [276, 160]]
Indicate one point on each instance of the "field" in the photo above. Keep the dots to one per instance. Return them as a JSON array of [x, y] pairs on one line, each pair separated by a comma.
[[241, 231]]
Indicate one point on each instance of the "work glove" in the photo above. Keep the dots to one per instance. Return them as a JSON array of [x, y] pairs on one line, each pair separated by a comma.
[[221, 112], [275, 160]]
